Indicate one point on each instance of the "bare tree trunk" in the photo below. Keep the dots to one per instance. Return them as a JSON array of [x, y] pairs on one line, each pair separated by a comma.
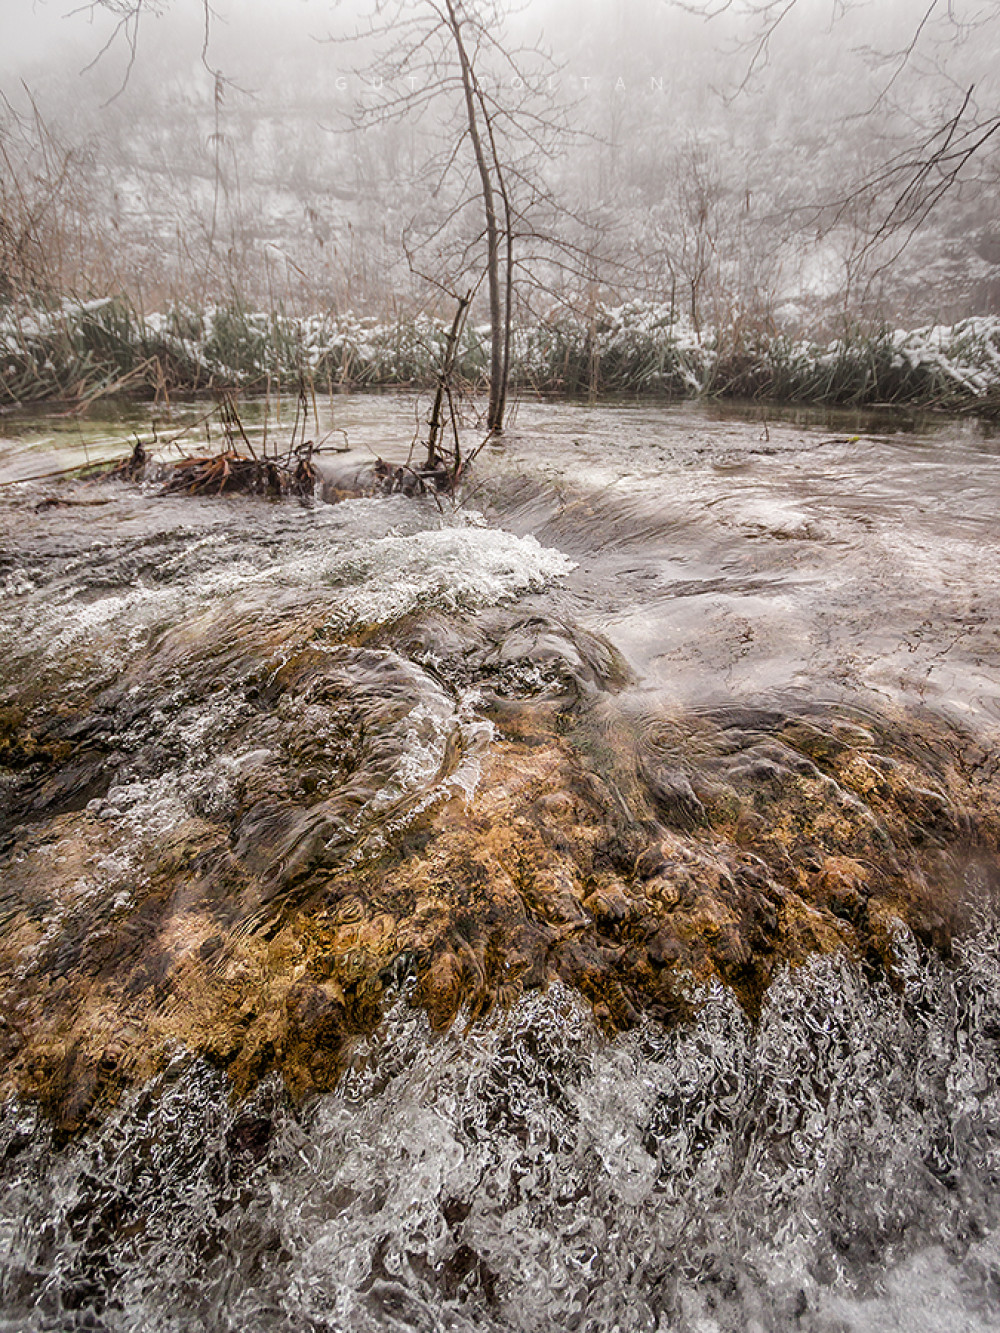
[[494, 412], [508, 305], [444, 380], [507, 318]]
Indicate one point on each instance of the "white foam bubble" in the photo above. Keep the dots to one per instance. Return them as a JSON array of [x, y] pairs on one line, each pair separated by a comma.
[[452, 568]]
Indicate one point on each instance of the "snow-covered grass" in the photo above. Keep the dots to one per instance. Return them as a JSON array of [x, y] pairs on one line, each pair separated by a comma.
[[634, 347], [953, 366], [82, 349]]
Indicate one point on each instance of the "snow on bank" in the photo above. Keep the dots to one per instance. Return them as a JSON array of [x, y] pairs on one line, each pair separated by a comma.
[[638, 346]]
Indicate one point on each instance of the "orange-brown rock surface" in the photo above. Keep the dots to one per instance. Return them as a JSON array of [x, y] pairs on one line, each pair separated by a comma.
[[628, 856]]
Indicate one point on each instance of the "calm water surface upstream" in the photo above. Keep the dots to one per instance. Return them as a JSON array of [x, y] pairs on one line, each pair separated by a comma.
[[834, 1166]]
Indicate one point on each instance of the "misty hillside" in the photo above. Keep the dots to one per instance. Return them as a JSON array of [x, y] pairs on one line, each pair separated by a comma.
[[672, 158]]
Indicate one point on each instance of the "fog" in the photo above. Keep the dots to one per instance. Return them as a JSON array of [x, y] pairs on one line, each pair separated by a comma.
[[677, 153]]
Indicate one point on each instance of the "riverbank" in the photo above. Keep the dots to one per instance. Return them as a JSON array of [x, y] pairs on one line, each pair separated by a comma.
[[84, 350]]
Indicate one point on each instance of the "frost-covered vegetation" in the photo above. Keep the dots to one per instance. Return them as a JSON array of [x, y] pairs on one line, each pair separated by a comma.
[[82, 350]]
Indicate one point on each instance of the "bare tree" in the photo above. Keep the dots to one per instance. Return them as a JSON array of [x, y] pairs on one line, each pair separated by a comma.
[[891, 198], [49, 194], [450, 58], [441, 56]]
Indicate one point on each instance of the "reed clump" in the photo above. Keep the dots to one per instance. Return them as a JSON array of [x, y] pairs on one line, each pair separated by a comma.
[[79, 351]]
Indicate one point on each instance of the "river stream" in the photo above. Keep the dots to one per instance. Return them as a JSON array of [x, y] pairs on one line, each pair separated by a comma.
[[261, 764]]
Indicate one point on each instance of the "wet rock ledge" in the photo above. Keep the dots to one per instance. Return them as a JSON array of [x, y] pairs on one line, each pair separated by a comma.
[[259, 905]]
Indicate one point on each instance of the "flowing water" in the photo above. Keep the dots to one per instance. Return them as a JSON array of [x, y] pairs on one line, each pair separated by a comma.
[[682, 595]]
